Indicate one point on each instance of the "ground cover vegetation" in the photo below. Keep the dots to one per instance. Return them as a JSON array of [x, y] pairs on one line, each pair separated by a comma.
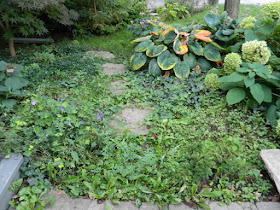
[[203, 142]]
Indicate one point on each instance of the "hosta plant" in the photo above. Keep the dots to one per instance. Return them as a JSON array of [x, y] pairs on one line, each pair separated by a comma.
[[174, 48]]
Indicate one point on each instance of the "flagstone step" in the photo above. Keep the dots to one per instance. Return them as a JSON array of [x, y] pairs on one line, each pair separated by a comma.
[[113, 69], [101, 54], [118, 87], [271, 159]]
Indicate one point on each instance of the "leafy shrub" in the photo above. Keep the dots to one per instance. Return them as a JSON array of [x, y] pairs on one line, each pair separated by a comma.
[[140, 26], [11, 84], [232, 62], [271, 10], [167, 46], [172, 12], [211, 80]]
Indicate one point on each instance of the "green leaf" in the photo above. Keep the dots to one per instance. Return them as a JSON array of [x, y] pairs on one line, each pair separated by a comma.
[[141, 39], [207, 192], [267, 94], [195, 47], [249, 81], [257, 92], [75, 156], [182, 70], [235, 95], [137, 61], [154, 68], [204, 64], [194, 189], [143, 46], [212, 53], [190, 59], [271, 115], [227, 32], [234, 77], [250, 35], [3, 66], [167, 60], [170, 37], [212, 20], [15, 83], [155, 50], [252, 74], [9, 103]]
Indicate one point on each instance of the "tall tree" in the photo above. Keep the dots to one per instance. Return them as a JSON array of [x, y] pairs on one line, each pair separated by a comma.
[[232, 8], [24, 17]]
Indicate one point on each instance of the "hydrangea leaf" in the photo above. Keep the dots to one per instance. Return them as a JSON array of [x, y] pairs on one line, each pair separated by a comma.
[[235, 95], [257, 92], [267, 94]]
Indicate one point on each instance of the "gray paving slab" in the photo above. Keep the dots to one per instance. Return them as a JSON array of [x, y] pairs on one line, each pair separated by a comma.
[[234, 206], [132, 118], [118, 87], [268, 205], [148, 206], [271, 159], [248, 206], [96, 206], [179, 207], [113, 68], [216, 206], [65, 202], [121, 206], [9, 171], [101, 54]]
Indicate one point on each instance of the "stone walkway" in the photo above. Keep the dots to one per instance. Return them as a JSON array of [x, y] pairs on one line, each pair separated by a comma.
[[64, 202]]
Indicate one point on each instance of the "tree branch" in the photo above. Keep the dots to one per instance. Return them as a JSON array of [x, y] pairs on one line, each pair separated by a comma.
[[2, 25]]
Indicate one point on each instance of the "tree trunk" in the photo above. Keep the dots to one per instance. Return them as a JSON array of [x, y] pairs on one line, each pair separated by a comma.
[[232, 8], [213, 2], [12, 48], [94, 6]]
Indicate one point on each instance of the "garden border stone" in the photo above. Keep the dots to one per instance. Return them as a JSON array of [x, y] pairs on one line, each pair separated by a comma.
[[9, 171]]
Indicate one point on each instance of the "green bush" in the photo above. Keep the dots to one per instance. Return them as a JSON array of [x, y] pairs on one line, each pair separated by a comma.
[[172, 12]]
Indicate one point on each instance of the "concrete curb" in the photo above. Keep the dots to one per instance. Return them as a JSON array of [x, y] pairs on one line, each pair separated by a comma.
[[9, 171]]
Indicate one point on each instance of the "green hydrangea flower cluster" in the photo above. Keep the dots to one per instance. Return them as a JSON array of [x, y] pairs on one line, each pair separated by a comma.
[[255, 51], [248, 23], [271, 10], [232, 62], [212, 81]]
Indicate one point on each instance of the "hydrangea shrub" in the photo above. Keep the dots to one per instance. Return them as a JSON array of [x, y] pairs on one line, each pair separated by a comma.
[[211, 80], [248, 23], [271, 10]]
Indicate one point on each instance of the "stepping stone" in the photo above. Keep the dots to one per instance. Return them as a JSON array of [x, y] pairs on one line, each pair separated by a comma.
[[234, 206], [101, 54], [215, 206], [132, 118], [268, 205], [179, 207], [65, 202], [121, 206], [271, 159], [148, 206], [118, 87], [112, 68]]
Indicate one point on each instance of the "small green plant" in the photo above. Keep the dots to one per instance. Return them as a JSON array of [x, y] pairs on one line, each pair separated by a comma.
[[44, 57], [172, 12], [30, 198], [11, 84]]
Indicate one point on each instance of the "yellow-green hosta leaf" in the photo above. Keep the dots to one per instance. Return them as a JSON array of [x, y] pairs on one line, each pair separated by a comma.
[[141, 39], [155, 50], [143, 46], [137, 60], [179, 47], [190, 59], [167, 60], [182, 69], [154, 69]]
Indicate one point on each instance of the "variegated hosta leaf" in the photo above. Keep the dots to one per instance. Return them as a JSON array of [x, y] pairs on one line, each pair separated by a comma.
[[154, 69], [180, 47], [155, 50], [137, 60], [143, 46], [212, 53], [182, 69], [202, 35], [141, 39], [167, 60], [195, 47]]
